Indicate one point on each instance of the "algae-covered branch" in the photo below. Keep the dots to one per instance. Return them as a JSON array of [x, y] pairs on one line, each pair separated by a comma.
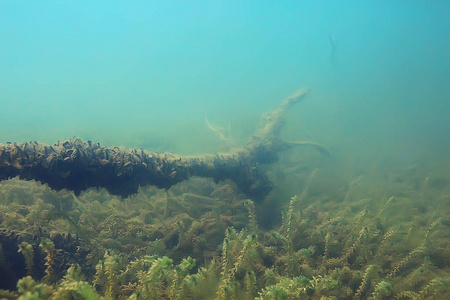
[[78, 165]]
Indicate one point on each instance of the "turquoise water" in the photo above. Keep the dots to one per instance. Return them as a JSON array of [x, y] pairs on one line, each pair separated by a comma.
[[370, 220], [146, 74]]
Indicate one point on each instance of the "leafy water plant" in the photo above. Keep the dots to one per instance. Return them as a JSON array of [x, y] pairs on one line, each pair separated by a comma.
[[369, 274], [28, 252], [29, 289], [74, 286], [207, 244], [49, 249], [382, 290]]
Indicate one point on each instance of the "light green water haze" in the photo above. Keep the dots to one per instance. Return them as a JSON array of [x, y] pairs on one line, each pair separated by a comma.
[[369, 221], [147, 73]]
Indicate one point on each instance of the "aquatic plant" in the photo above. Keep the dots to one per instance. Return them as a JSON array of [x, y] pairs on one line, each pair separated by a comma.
[[155, 281], [27, 250], [29, 289], [49, 249], [369, 274], [435, 287], [382, 290], [252, 224], [74, 286], [403, 262], [286, 289], [182, 282], [231, 265], [106, 276], [205, 243]]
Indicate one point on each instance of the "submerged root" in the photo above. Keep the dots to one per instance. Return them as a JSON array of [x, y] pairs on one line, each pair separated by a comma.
[[77, 165]]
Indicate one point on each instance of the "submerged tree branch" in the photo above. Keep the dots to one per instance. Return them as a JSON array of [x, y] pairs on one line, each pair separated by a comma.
[[78, 165]]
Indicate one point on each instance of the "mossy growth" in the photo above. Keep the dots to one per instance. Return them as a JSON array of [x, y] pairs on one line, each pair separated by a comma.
[[201, 240]]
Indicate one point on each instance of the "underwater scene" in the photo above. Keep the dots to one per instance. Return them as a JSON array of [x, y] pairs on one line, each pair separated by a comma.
[[225, 149]]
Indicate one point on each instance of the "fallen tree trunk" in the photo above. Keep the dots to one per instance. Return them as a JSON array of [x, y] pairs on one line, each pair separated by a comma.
[[78, 165]]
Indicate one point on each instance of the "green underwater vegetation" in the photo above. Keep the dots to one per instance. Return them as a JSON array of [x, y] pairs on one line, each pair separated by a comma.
[[349, 238]]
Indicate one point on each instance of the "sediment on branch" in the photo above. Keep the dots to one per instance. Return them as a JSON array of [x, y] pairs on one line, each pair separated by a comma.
[[78, 165]]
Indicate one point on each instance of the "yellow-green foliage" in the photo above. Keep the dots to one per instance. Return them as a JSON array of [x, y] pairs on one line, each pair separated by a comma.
[[27, 250], [381, 291], [237, 255], [370, 272], [437, 286], [253, 226], [201, 240], [183, 283], [106, 277], [49, 249], [294, 288], [154, 282], [30, 289], [74, 286]]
